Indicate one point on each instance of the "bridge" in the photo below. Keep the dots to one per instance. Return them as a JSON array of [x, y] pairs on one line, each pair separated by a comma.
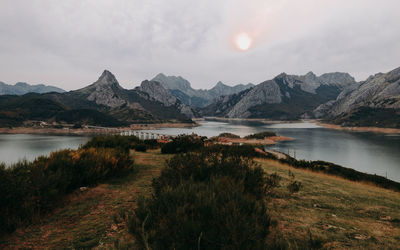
[[144, 135]]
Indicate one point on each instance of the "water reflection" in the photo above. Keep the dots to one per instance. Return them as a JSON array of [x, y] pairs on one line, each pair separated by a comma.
[[20, 146]]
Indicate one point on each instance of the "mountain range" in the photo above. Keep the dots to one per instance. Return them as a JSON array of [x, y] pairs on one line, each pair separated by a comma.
[[285, 97], [333, 97], [182, 89], [103, 103], [22, 88]]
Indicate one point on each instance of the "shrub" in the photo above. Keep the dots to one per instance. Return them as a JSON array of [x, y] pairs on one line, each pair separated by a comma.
[[261, 135], [141, 147], [228, 135], [183, 144], [202, 166], [29, 189], [294, 186], [113, 141], [214, 215]]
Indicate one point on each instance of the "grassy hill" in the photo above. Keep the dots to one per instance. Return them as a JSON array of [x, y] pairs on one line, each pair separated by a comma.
[[327, 212]]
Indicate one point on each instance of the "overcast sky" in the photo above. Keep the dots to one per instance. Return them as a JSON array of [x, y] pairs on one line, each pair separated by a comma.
[[69, 43]]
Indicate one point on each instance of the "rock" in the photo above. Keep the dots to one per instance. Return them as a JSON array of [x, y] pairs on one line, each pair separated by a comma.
[[361, 237], [157, 92], [105, 91], [378, 92]]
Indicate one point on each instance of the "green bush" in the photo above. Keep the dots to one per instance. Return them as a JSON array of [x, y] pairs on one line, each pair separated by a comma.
[[30, 189], [113, 141], [294, 186], [228, 135], [183, 144], [202, 215], [202, 166], [261, 135], [141, 148]]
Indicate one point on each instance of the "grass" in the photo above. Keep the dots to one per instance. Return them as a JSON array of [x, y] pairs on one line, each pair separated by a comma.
[[93, 218], [335, 212], [328, 211]]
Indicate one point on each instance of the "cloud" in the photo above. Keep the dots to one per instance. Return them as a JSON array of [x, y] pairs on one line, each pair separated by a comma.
[[68, 43]]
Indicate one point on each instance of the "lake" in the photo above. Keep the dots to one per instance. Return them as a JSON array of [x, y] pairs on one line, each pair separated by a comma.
[[19, 146], [364, 151]]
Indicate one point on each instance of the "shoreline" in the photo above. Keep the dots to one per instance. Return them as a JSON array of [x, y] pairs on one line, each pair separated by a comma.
[[359, 129], [92, 131], [262, 120]]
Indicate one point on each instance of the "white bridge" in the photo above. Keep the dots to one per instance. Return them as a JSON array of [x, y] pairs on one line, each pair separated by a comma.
[[144, 135]]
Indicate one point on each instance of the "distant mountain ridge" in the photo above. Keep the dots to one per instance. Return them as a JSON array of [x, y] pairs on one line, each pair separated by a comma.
[[22, 88], [285, 97], [373, 102], [182, 89], [103, 103]]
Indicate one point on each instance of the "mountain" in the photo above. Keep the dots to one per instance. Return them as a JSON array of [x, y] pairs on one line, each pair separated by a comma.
[[284, 97], [22, 88], [373, 102], [221, 89], [103, 103], [182, 90], [156, 91]]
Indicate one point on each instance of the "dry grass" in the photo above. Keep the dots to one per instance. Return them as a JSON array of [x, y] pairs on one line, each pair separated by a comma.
[[92, 218], [334, 212]]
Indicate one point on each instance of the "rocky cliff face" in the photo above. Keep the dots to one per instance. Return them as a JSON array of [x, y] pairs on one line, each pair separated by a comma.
[[181, 89], [105, 91], [157, 92], [22, 88], [284, 97], [378, 94], [265, 93]]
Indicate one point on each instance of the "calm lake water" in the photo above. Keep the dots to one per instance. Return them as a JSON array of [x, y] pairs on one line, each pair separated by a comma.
[[19, 146], [367, 152], [364, 151]]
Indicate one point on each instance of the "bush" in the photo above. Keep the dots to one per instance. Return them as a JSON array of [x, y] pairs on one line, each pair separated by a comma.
[[201, 215], [261, 135], [228, 135], [141, 148], [113, 141], [183, 144], [29, 189], [202, 166], [294, 186]]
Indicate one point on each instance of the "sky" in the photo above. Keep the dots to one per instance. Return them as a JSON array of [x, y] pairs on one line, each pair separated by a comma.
[[69, 43]]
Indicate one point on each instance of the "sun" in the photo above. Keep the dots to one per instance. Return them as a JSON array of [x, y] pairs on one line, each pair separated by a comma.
[[243, 41]]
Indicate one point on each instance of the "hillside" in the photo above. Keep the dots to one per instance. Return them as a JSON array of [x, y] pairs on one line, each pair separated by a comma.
[[286, 97], [103, 103], [328, 211], [373, 102], [22, 88]]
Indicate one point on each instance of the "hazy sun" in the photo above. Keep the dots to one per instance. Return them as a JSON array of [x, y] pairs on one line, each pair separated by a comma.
[[243, 41]]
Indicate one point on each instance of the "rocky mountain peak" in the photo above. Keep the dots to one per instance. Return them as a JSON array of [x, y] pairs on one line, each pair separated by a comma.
[[172, 82], [220, 84], [310, 74], [105, 91], [107, 78]]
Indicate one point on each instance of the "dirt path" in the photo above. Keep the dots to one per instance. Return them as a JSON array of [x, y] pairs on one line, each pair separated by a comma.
[[92, 218]]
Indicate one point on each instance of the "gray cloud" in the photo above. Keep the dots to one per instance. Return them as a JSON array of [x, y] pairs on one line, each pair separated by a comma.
[[68, 43]]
